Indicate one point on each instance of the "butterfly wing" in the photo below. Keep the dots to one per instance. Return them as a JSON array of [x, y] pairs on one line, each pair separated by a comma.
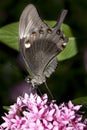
[[29, 23], [51, 66], [39, 44]]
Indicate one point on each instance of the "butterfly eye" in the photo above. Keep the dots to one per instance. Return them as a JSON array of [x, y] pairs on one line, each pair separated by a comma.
[[27, 44], [49, 30]]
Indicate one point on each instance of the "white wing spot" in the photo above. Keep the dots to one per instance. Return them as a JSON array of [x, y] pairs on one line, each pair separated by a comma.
[[27, 45], [64, 44]]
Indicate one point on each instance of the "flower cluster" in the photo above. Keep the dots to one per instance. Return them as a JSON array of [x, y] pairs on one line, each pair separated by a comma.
[[33, 112]]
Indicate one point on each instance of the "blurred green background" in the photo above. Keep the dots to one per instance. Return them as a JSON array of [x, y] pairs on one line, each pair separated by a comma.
[[70, 78]]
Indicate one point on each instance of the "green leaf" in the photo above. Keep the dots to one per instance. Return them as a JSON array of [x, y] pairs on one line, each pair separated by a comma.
[[6, 108], [81, 100], [9, 36], [50, 23]]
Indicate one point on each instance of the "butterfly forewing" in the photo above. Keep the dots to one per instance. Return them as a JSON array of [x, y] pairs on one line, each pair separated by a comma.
[[29, 21]]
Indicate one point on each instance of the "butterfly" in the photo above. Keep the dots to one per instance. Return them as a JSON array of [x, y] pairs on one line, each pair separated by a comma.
[[39, 44]]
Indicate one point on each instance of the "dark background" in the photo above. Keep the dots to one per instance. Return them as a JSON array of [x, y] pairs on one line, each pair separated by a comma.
[[70, 78]]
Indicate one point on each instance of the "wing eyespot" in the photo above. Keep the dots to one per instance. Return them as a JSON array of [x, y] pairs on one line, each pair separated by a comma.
[[61, 38], [33, 34], [63, 46], [49, 31], [27, 44]]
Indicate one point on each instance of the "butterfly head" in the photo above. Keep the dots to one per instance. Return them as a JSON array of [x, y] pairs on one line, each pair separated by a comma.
[[38, 79]]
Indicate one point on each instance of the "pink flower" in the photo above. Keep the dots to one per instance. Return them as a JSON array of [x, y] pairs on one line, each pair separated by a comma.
[[33, 112]]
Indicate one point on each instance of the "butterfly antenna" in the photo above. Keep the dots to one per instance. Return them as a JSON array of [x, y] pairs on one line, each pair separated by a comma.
[[49, 90]]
